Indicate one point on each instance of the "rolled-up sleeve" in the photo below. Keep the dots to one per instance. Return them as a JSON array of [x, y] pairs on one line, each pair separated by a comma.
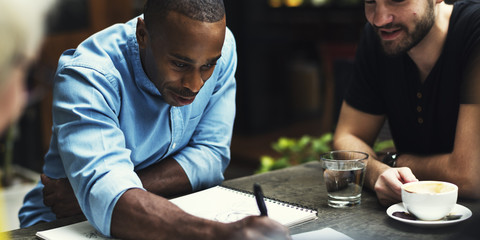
[[90, 142]]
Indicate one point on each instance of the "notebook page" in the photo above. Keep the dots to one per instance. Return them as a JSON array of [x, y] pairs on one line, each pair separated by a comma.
[[77, 231], [227, 205], [323, 234]]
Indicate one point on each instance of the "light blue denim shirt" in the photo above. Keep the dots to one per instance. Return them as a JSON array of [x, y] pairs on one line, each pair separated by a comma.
[[109, 120]]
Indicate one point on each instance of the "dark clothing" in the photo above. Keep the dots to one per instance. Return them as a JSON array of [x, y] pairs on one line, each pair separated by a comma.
[[422, 116]]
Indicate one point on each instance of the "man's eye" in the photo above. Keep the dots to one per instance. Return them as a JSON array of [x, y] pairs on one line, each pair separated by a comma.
[[209, 65], [369, 2], [178, 64]]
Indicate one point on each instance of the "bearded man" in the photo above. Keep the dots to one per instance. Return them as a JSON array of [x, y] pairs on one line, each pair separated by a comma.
[[415, 66]]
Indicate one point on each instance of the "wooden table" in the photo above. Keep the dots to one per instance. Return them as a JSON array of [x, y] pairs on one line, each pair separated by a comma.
[[304, 186]]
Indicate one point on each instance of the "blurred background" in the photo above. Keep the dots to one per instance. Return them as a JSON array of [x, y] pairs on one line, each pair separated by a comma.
[[294, 58]]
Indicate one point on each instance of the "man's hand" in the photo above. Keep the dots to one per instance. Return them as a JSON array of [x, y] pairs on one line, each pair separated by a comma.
[[389, 184], [258, 228], [58, 195], [165, 178], [165, 220]]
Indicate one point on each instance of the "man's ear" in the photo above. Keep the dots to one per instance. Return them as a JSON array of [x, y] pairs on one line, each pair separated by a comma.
[[142, 33]]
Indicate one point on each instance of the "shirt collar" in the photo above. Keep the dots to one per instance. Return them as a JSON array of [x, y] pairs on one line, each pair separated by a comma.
[[141, 77]]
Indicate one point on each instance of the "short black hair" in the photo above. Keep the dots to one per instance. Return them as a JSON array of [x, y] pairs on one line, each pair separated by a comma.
[[200, 10]]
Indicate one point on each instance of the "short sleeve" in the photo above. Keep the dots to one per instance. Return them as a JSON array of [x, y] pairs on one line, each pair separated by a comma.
[[363, 92]]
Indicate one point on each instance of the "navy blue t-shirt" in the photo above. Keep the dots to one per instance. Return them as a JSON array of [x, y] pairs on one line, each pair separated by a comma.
[[422, 116]]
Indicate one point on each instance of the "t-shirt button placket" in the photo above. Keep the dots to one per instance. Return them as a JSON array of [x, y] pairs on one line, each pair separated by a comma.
[[419, 108]]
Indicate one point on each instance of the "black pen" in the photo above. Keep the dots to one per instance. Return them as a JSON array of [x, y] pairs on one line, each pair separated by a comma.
[[257, 191]]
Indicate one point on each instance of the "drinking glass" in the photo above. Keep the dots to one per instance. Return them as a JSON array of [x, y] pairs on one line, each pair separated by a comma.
[[344, 173]]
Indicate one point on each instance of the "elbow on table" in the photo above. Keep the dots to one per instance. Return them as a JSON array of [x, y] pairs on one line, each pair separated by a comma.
[[465, 173], [469, 194], [470, 188]]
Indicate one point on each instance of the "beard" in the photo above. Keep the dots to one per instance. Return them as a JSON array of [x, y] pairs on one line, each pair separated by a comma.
[[412, 38]]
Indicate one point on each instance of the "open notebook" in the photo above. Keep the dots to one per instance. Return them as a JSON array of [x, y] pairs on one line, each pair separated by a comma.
[[218, 203], [77, 231], [228, 205]]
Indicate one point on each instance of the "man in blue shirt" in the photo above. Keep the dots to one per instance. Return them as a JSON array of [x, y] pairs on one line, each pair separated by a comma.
[[143, 110]]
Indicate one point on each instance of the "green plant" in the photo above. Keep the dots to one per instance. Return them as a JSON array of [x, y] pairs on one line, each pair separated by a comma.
[[294, 151], [383, 145]]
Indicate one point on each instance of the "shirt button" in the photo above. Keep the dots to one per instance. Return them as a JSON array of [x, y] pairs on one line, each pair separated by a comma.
[[419, 109], [420, 120], [174, 145], [419, 95]]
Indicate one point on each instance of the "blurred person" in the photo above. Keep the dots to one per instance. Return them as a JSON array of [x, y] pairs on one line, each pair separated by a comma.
[[19, 44], [143, 111], [21, 38], [415, 65]]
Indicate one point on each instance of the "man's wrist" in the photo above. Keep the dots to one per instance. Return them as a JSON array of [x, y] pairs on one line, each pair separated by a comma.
[[390, 159]]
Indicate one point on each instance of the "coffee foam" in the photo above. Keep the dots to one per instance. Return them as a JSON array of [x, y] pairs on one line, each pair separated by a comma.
[[429, 188]]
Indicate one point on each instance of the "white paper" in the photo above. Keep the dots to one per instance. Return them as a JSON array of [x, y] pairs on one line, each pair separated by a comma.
[[226, 205], [323, 234], [217, 203], [78, 231]]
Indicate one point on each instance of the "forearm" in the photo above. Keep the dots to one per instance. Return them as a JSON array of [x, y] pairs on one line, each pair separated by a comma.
[[140, 214], [166, 178], [374, 167], [452, 168]]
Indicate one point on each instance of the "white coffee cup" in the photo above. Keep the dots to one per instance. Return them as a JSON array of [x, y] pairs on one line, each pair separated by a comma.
[[429, 200]]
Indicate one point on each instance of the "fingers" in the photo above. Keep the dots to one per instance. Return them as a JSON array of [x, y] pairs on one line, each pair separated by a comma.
[[396, 177], [272, 229], [66, 209], [393, 181], [51, 185], [43, 178], [389, 184], [261, 228], [406, 175], [47, 190], [55, 186], [47, 182], [48, 200], [59, 196], [385, 194]]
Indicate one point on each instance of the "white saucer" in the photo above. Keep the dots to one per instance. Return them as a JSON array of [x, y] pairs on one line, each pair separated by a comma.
[[457, 210]]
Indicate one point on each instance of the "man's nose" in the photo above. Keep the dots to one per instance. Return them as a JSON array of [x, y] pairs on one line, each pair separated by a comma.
[[382, 15], [193, 81]]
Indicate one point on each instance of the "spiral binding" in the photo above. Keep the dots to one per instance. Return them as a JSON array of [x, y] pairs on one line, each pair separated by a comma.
[[271, 200]]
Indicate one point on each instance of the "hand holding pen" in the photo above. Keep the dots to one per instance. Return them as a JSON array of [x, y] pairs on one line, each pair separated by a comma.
[[255, 227]]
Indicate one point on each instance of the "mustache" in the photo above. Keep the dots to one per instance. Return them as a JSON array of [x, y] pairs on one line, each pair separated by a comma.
[[183, 92], [387, 26]]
